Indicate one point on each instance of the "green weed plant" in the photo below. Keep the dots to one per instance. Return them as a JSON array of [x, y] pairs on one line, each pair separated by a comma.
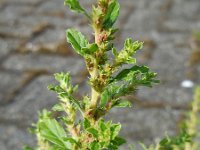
[[110, 80]]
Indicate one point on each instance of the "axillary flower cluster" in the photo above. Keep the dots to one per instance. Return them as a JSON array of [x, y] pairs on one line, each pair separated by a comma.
[[110, 81]]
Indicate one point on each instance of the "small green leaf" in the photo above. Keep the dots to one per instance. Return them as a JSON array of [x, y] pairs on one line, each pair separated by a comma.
[[94, 146], [80, 43], [86, 123], [118, 141], [93, 131], [74, 5], [27, 148], [93, 47], [112, 14], [122, 103], [54, 133], [164, 141], [115, 128], [137, 76], [110, 93], [71, 140], [77, 40], [90, 49], [77, 104], [114, 51], [63, 79], [125, 72], [103, 126], [58, 107], [104, 98], [126, 55]]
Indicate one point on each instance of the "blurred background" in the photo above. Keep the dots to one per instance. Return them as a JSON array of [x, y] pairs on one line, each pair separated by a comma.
[[33, 47]]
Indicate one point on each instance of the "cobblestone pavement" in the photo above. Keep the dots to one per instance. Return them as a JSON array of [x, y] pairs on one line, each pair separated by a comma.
[[33, 47]]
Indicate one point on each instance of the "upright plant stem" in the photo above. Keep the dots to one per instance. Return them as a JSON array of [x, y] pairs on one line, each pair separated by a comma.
[[94, 74], [94, 94]]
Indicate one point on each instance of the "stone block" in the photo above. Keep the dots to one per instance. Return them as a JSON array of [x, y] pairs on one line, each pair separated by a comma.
[[14, 138], [9, 83], [51, 63], [32, 99]]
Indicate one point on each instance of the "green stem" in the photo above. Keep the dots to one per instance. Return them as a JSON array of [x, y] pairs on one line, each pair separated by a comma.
[[95, 96]]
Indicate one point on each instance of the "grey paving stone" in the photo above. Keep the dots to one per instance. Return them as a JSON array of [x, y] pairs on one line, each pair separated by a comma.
[[37, 19], [197, 74], [54, 8], [124, 15], [23, 110], [34, 98], [14, 138], [10, 14], [51, 63], [7, 46], [49, 40], [180, 39], [146, 16], [185, 9], [58, 23], [22, 2], [9, 82], [3, 146], [182, 17], [16, 31], [179, 25], [166, 94], [145, 125], [141, 22], [171, 63]]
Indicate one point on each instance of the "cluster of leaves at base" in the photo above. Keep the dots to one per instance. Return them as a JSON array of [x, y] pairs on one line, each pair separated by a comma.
[[104, 135]]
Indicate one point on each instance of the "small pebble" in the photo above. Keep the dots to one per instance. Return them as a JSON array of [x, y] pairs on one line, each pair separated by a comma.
[[187, 84]]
